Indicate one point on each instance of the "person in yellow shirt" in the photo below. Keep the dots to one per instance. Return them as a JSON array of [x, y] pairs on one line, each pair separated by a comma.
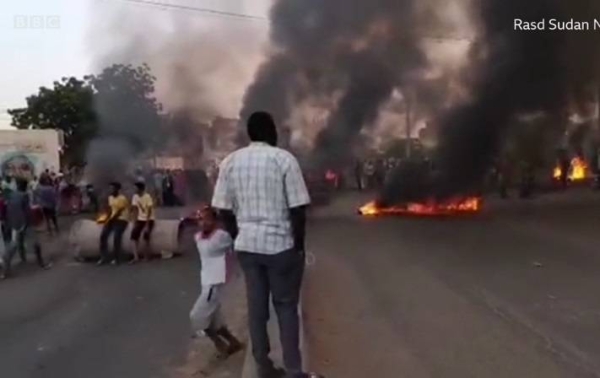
[[142, 205], [116, 224]]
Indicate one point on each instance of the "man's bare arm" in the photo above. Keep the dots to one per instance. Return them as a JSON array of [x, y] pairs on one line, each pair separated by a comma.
[[229, 222], [298, 219]]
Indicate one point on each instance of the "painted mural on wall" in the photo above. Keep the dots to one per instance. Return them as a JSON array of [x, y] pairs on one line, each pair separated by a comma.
[[18, 164], [27, 153]]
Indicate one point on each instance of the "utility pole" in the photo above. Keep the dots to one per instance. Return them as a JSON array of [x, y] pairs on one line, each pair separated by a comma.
[[596, 132], [408, 101]]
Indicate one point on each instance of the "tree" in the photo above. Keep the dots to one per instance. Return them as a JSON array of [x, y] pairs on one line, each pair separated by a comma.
[[117, 104], [125, 106], [67, 107]]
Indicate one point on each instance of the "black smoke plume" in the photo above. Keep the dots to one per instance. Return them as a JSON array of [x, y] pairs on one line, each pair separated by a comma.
[[366, 50], [523, 72], [362, 49]]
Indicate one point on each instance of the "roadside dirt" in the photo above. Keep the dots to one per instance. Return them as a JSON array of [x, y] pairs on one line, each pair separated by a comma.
[[201, 361]]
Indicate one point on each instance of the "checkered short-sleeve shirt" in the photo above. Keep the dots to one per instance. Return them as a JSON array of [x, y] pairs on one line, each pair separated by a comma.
[[260, 184]]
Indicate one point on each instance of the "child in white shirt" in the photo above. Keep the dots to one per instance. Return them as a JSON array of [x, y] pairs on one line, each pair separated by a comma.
[[213, 246]]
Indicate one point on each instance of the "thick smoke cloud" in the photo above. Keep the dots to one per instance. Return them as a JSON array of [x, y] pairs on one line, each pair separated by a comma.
[[202, 66], [522, 72], [360, 49], [362, 52]]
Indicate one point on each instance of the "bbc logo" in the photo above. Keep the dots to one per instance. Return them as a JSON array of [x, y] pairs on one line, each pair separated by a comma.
[[37, 22]]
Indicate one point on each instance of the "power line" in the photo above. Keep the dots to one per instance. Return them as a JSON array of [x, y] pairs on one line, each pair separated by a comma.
[[180, 7], [188, 8]]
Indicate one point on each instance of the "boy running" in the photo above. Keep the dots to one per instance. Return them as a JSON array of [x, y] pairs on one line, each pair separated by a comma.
[[213, 246]]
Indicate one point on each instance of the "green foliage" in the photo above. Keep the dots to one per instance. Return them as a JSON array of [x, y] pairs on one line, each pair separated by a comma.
[[118, 103], [67, 107], [125, 104]]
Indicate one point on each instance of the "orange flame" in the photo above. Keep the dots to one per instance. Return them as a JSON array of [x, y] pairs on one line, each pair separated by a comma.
[[102, 218], [468, 205], [557, 174], [578, 171]]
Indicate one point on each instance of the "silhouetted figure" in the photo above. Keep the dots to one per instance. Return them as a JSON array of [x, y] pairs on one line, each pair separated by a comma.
[[168, 190], [93, 198], [358, 175], [565, 166], [527, 181]]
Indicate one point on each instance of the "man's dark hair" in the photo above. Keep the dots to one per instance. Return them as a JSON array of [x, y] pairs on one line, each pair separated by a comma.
[[116, 185], [140, 185], [261, 128]]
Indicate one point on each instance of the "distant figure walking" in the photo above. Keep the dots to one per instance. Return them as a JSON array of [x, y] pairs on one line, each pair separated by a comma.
[[46, 197], [262, 196], [20, 226]]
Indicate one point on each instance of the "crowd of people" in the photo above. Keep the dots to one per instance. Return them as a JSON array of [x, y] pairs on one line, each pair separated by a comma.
[[372, 173], [140, 210], [262, 217], [25, 206]]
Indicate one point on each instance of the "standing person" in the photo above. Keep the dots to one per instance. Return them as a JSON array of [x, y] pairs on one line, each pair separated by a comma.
[[180, 188], [62, 188], [369, 172], [45, 196], [261, 193], [168, 188], [213, 246], [157, 184], [20, 225], [92, 197], [142, 205], [358, 173], [139, 175], [33, 184], [527, 180], [8, 186], [116, 224]]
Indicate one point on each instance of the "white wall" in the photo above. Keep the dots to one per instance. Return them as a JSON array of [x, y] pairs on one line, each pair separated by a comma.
[[29, 152]]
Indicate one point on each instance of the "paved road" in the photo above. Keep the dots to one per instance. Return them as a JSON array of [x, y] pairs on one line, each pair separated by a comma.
[[81, 321], [510, 293]]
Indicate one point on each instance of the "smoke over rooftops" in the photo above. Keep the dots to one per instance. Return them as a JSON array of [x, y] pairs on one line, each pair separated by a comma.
[[360, 53]]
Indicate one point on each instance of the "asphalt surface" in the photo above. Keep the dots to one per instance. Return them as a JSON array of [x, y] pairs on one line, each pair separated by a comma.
[[512, 292], [509, 293], [78, 320]]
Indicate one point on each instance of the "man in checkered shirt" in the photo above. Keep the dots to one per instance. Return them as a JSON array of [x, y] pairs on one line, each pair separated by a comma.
[[262, 197]]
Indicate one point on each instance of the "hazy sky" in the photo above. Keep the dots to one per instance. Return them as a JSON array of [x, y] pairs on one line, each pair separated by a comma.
[[44, 40]]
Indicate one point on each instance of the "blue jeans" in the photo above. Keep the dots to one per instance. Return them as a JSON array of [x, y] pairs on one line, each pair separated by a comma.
[[278, 277], [19, 240]]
